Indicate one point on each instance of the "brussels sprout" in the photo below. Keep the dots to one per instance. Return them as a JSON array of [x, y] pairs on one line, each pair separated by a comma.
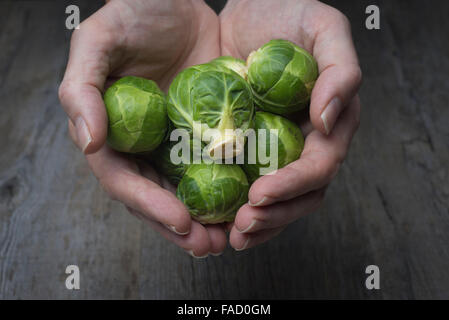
[[180, 104], [215, 98], [282, 76], [213, 192], [161, 160], [289, 138], [137, 112], [174, 171], [234, 64]]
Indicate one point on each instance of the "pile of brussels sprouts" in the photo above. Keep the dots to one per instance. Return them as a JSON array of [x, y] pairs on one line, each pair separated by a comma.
[[228, 96]]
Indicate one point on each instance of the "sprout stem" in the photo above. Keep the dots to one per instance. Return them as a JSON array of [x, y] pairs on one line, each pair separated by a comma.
[[226, 143]]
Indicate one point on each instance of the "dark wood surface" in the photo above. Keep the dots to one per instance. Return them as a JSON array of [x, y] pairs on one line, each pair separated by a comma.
[[388, 206]]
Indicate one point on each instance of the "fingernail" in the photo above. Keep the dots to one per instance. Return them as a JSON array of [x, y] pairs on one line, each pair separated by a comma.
[[259, 203], [251, 225], [216, 254], [173, 229], [244, 246], [331, 113], [82, 133], [197, 257]]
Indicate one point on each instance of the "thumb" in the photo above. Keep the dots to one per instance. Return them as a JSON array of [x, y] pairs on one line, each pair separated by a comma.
[[80, 91], [340, 74]]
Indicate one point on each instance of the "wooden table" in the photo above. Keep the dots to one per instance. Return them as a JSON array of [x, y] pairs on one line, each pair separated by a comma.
[[389, 205]]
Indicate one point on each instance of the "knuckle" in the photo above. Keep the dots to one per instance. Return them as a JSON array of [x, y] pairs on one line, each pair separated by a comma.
[[355, 73], [338, 160], [336, 17], [65, 92], [341, 18], [62, 91], [331, 169]]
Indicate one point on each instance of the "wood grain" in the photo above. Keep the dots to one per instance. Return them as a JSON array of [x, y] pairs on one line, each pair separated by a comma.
[[389, 205]]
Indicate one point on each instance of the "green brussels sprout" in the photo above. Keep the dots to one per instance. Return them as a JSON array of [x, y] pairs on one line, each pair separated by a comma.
[[289, 139], [161, 159], [282, 76], [180, 104], [234, 64], [137, 112], [217, 100], [213, 192]]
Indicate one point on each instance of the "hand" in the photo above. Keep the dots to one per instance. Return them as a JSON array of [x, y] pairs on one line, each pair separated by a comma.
[[152, 39], [298, 188]]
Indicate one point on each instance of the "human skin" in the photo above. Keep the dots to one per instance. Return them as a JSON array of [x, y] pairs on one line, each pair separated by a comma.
[[297, 189], [129, 37], [152, 39]]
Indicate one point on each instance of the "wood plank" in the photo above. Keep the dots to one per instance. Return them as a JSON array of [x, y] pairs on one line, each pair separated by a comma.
[[389, 205]]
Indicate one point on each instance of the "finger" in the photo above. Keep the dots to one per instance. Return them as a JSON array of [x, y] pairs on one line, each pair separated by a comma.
[[197, 243], [80, 92], [242, 241], [121, 179], [251, 219], [217, 238], [340, 73], [317, 166], [216, 233]]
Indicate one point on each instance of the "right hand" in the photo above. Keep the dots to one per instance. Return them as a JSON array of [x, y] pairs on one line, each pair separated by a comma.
[[152, 39], [298, 189]]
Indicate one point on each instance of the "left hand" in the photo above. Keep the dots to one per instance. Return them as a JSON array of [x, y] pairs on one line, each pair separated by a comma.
[[297, 189], [152, 39]]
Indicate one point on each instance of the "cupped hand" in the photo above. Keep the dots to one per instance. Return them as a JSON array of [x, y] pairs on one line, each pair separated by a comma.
[[297, 189], [152, 39]]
